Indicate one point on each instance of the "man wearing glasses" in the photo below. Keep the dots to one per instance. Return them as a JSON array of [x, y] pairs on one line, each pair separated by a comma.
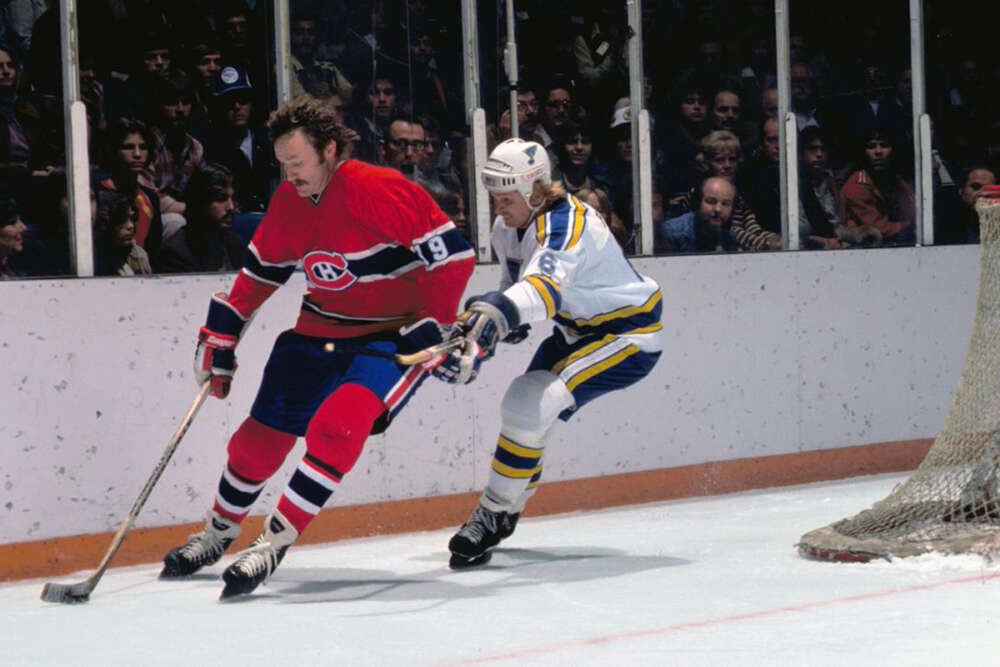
[[402, 145]]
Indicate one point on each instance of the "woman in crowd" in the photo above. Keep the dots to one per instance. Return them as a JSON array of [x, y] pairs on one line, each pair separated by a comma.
[[128, 145], [577, 161], [115, 249], [876, 194]]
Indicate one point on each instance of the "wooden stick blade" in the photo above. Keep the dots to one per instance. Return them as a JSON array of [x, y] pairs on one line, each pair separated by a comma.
[[429, 353]]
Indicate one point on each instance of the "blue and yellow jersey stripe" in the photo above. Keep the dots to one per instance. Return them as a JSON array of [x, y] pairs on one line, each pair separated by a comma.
[[562, 227], [548, 290], [598, 366], [643, 318]]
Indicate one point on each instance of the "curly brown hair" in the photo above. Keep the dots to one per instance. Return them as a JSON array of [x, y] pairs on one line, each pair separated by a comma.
[[316, 120]]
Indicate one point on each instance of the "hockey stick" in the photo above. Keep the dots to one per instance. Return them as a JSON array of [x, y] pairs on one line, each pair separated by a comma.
[[412, 359], [80, 592]]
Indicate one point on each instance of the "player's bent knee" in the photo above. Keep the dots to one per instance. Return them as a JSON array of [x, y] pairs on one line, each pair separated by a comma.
[[256, 450], [533, 402], [337, 432]]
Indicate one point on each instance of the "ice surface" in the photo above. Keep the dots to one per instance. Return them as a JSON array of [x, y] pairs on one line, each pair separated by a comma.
[[707, 581]]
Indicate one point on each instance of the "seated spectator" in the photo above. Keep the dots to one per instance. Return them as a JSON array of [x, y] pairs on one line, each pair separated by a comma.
[[578, 165], [434, 169], [237, 144], [726, 113], [49, 252], [241, 44], [402, 145], [205, 63], [707, 227], [760, 179], [12, 230], [557, 110], [599, 200], [720, 155], [431, 94], [378, 107], [453, 205], [127, 158], [174, 153], [876, 194], [14, 148], [115, 249], [619, 172], [679, 135], [769, 102], [819, 215], [528, 120], [601, 54], [146, 59], [207, 242], [959, 223], [307, 67]]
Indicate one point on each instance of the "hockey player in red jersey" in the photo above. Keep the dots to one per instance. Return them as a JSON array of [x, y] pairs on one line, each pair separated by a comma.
[[385, 269]]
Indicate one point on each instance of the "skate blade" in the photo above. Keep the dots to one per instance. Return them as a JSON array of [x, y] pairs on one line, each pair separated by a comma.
[[459, 562]]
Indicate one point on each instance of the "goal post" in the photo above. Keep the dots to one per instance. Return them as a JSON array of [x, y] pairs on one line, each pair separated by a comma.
[[951, 503]]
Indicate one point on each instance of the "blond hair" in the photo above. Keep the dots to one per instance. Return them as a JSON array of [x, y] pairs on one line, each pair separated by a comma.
[[714, 143]]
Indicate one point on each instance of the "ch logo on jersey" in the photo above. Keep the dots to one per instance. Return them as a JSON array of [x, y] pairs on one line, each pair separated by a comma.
[[328, 270]]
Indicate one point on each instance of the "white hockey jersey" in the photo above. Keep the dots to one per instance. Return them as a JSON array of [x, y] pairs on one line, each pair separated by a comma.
[[567, 266]]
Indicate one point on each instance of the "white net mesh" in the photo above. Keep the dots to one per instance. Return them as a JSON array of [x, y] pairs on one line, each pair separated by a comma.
[[951, 504]]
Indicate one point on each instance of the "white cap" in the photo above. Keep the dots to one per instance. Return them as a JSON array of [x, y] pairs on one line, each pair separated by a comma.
[[623, 116]]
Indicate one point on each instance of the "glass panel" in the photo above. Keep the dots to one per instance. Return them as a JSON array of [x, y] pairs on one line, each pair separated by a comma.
[[394, 71], [714, 100], [853, 109], [34, 230], [963, 101]]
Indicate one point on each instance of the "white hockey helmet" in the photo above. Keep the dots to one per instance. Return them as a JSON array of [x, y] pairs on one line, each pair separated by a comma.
[[515, 165]]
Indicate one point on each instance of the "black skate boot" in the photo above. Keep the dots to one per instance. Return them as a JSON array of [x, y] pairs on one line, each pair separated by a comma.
[[472, 544], [201, 549], [257, 562]]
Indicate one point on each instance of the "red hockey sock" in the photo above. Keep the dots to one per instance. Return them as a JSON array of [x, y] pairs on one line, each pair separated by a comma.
[[255, 452], [334, 440]]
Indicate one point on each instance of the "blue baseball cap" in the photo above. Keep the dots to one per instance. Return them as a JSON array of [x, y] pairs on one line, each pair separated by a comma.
[[231, 79]]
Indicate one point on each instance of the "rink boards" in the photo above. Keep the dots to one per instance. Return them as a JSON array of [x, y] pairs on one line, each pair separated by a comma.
[[779, 368]]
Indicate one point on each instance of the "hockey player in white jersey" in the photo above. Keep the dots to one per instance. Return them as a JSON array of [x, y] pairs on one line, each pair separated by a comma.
[[559, 262]]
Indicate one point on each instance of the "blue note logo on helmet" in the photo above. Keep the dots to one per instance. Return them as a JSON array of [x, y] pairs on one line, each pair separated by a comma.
[[514, 166]]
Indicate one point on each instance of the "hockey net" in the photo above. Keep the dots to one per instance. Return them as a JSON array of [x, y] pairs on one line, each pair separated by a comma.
[[951, 504]]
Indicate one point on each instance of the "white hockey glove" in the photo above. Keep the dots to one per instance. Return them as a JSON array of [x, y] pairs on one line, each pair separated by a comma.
[[492, 317]]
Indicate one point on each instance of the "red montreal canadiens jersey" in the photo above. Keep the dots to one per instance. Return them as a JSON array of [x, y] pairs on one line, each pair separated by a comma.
[[376, 250]]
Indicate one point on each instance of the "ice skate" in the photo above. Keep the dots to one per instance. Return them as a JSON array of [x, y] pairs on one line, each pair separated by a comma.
[[201, 549], [472, 544], [257, 562]]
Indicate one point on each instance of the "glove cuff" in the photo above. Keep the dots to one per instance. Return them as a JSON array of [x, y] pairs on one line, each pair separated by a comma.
[[224, 322], [499, 308]]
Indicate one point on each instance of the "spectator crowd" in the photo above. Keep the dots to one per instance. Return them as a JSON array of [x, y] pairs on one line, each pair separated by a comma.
[[177, 94]]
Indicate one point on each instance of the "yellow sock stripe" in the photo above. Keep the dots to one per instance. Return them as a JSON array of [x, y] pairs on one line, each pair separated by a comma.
[[583, 351], [514, 473], [518, 450], [532, 485], [627, 311], [591, 371], [536, 281], [641, 330]]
